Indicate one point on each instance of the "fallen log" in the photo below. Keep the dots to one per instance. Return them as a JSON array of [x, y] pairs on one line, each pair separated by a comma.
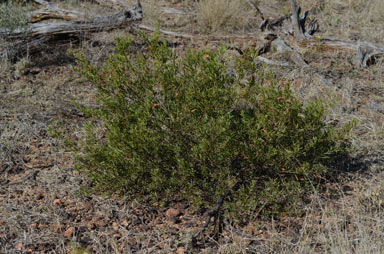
[[51, 11], [120, 19], [30, 38]]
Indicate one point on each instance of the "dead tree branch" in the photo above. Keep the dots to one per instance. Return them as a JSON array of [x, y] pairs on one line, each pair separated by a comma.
[[271, 62], [297, 21], [301, 30], [271, 24], [201, 37], [282, 46]]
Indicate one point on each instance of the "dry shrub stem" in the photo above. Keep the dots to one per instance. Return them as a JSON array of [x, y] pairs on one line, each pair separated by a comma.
[[215, 213]]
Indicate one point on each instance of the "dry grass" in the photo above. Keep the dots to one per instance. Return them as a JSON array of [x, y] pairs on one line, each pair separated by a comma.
[[5, 67], [224, 15], [353, 19]]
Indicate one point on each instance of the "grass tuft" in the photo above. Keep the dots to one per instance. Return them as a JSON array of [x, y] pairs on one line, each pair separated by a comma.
[[223, 15], [12, 16]]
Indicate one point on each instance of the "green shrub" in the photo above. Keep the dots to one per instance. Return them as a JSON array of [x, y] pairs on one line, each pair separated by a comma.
[[170, 126]]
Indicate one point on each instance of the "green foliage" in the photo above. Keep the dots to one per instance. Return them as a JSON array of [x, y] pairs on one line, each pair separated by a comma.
[[173, 126], [12, 16]]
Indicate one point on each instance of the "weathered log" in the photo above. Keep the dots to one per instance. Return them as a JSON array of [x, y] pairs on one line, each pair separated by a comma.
[[51, 11], [271, 62], [173, 11], [282, 46], [271, 24], [120, 19], [30, 39], [62, 14]]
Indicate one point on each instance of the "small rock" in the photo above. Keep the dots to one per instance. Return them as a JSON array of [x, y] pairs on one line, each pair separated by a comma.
[[19, 246], [125, 223], [42, 226], [88, 206], [57, 201], [115, 226], [180, 251], [172, 212], [90, 225], [55, 227], [69, 232]]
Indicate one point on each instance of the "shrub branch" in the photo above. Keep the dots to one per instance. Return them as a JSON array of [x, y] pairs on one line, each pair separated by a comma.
[[215, 212]]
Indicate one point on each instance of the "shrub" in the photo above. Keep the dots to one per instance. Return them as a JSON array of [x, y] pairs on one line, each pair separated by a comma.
[[170, 126]]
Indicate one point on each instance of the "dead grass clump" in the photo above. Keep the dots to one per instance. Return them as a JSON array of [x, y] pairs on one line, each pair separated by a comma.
[[5, 67], [12, 16], [223, 15]]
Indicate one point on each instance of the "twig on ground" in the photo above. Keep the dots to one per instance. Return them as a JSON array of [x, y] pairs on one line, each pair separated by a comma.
[[271, 62], [192, 36], [242, 233]]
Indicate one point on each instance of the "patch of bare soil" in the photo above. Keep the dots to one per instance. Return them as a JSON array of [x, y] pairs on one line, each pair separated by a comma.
[[43, 211]]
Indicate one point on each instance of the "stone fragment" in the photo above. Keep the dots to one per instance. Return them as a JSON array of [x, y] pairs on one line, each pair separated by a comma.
[[69, 232], [172, 212]]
